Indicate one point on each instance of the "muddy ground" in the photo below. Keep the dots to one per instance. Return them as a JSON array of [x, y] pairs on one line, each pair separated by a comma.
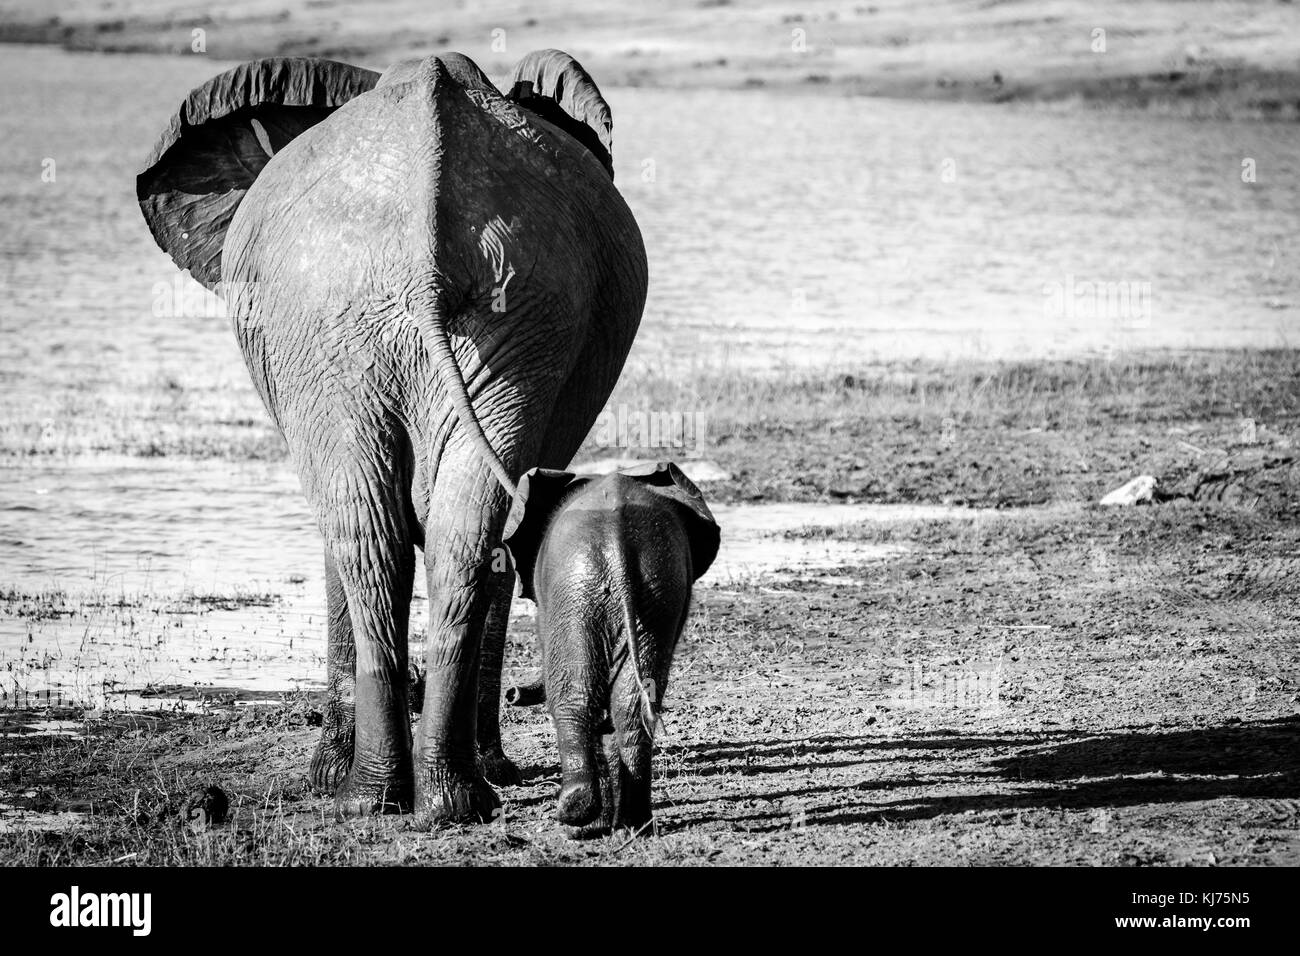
[[1063, 684]]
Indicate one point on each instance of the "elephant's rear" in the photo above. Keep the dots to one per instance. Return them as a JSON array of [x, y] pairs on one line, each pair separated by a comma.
[[433, 180], [430, 185]]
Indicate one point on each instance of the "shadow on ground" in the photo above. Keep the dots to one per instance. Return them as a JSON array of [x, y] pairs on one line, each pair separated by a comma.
[[999, 772]]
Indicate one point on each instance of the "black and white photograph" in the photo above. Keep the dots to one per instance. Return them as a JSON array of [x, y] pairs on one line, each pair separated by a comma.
[[704, 433]]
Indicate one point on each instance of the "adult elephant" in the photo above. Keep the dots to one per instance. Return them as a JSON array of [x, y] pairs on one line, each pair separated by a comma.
[[434, 287]]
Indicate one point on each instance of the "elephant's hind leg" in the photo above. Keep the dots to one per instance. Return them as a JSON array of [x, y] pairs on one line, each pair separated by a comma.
[[458, 554], [373, 552], [333, 757]]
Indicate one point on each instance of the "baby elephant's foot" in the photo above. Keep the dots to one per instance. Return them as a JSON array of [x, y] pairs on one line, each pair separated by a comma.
[[598, 828], [452, 793], [497, 768], [586, 807], [360, 797]]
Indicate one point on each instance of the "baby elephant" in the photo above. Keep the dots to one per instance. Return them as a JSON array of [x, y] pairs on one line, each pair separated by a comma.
[[610, 562]]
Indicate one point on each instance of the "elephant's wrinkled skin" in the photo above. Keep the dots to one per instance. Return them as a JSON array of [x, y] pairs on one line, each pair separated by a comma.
[[434, 289], [610, 562]]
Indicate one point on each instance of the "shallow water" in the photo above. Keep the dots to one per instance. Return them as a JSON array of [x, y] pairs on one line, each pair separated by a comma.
[[780, 230], [211, 577]]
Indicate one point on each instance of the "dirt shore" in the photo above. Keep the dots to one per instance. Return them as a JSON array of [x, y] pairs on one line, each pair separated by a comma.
[[1059, 683], [1237, 60]]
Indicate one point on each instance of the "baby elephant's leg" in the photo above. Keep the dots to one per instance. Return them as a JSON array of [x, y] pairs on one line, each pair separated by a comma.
[[333, 757], [497, 767]]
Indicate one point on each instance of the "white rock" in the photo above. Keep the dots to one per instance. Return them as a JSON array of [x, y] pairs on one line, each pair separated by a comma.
[[1140, 489]]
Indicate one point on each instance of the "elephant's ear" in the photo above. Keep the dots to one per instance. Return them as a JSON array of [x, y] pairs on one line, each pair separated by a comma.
[[671, 482], [220, 139], [554, 85], [536, 497]]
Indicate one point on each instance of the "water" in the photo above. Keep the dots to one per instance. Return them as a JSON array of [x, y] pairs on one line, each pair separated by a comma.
[[821, 231], [781, 230]]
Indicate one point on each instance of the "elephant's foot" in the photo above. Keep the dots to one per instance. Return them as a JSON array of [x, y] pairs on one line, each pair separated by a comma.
[[330, 763], [452, 794], [497, 768], [356, 797]]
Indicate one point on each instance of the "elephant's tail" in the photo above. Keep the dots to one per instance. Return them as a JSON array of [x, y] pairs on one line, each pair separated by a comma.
[[436, 340]]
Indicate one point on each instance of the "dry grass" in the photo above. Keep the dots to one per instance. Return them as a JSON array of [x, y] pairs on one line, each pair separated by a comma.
[[976, 432], [980, 433], [1130, 388], [171, 418]]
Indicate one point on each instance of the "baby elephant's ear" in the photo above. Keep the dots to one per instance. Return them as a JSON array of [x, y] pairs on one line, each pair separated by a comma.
[[704, 533], [539, 491]]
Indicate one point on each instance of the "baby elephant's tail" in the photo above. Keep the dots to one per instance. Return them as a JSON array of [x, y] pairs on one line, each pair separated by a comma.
[[635, 643]]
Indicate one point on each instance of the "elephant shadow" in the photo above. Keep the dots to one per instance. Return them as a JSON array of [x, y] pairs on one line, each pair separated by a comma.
[[1076, 770]]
